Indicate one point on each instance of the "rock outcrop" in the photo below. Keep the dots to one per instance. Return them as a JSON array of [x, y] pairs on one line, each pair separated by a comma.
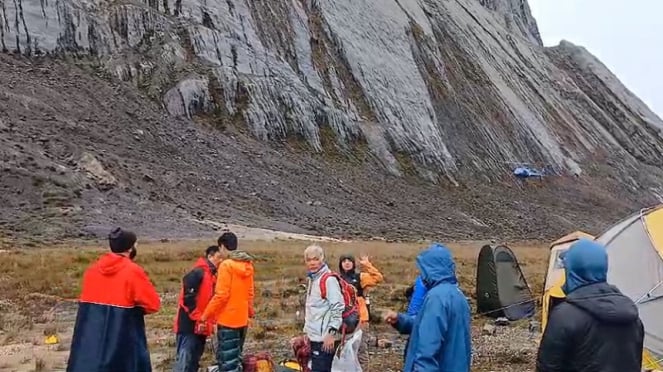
[[455, 91], [455, 86]]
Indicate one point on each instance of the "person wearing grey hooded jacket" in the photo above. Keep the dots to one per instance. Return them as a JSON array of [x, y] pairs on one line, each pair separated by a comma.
[[323, 316]]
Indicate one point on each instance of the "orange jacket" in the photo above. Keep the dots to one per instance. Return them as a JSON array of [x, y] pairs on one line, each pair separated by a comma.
[[369, 278], [232, 304]]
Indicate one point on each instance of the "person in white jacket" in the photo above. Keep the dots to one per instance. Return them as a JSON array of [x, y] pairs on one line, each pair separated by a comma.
[[323, 317]]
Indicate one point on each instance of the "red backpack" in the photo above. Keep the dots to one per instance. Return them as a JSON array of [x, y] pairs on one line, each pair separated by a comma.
[[351, 311], [259, 362]]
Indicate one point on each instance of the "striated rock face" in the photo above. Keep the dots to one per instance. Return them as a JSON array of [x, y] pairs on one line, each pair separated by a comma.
[[517, 17], [449, 90], [451, 87]]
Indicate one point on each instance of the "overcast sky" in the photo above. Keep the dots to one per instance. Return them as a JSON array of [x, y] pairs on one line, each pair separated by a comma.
[[627, 36]]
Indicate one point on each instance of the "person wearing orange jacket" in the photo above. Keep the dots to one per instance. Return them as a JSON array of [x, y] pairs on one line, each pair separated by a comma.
[[109, 334], [196, 292], [363, 281], [232, 303]]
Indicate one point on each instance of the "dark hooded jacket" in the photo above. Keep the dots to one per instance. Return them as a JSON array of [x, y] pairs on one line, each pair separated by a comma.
[[363, 281], [352, 276], [596, 328]]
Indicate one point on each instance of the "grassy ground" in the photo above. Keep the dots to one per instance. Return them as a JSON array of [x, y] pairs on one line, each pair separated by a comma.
[[39, 288]]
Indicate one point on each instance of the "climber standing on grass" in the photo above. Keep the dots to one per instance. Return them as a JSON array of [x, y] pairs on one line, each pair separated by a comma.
[[415, 295], [323, 316], [196, 292], [109, 334], [363, 281], [440, 333], [232, 303]]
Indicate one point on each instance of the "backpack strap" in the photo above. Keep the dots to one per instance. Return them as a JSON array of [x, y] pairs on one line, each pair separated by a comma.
[[323, 283]]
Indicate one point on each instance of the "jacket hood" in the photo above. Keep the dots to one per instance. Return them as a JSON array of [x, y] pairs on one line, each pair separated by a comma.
[[241, 262], [343, 258], [240, 256], [605, 303], [586, 262], [437, 266], [111, 263]]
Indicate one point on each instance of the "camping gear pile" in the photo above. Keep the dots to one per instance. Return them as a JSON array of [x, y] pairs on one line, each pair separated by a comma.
[[301, 346], [260, 362], [346, 358]]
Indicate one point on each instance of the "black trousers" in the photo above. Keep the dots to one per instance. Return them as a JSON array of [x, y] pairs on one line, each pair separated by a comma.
[[321, 361]]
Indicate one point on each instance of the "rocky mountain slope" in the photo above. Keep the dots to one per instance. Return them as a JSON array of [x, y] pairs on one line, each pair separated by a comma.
[[313, 94]]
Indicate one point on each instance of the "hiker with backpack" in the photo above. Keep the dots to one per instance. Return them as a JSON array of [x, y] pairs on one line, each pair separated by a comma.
[[196, 292], [331, 310], [363, 281]]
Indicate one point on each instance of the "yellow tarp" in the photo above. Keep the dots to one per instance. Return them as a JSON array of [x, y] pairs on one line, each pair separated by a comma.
[[654, 225], [554, 291], [649, 362], [291, 364]]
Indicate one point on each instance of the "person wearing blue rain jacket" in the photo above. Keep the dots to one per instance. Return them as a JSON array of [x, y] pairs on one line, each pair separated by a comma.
[[440, 333], [417, 299]]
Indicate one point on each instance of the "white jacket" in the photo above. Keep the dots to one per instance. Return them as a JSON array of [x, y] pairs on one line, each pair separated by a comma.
[[322, 314]]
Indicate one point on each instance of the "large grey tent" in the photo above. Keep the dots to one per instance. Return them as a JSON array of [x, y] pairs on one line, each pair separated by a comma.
[[502, 290], [635, 257]]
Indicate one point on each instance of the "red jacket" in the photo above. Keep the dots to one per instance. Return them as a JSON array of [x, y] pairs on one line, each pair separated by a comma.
[[196, 292], [109, 334]]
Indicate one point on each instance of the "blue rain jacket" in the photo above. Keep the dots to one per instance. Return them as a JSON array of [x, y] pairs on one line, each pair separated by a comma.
[[417, 297], [440, 333]]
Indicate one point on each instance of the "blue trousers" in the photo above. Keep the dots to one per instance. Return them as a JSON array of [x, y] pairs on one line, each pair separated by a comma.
[[321, 361], [190, 348]]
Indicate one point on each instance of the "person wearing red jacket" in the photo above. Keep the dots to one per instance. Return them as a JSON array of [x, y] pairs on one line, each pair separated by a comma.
[[196, 292], [109, 334]]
